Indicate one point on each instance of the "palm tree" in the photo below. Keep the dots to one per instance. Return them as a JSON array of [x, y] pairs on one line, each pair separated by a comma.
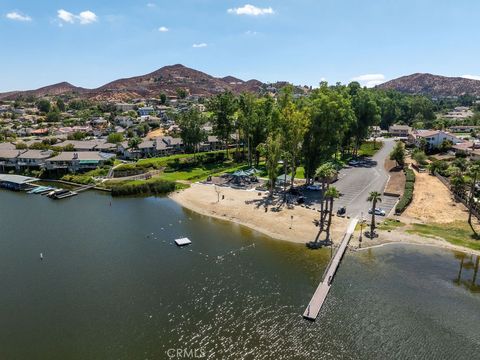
[[473, 172], [331, 194], [326, 173], [374, 197]]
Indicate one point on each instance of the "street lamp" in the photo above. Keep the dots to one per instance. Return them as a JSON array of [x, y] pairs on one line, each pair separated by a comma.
[[361, 232]]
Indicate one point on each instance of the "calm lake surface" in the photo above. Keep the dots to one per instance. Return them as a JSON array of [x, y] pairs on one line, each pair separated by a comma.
[[109, 289]]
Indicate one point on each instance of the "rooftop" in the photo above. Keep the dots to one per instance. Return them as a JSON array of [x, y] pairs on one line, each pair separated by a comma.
[[16, 179]]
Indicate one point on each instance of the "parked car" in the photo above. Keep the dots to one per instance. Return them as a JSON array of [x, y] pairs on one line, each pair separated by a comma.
[[378, 211], [342, 210]]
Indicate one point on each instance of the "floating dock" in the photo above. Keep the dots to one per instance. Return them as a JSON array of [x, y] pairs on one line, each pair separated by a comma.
[[183, 241], [315, 305]]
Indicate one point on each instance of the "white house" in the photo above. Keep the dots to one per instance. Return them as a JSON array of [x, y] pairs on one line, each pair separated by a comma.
[[434, 138]]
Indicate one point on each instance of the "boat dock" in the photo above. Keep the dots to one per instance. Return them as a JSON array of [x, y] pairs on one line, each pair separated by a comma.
[[316, 303]]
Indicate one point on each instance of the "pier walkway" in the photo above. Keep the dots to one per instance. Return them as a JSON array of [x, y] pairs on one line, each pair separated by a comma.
[[313, 308]]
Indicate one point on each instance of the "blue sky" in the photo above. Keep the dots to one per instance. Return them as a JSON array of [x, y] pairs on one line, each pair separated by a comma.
[[89, 43]]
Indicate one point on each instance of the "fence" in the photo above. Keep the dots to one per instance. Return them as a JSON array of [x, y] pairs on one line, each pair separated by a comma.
[[458, 197]]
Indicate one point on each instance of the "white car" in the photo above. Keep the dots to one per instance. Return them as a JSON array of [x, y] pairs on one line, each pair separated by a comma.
[[378, 211]]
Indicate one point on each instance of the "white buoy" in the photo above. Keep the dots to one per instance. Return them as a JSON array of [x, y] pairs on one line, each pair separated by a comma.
[[41, 256]]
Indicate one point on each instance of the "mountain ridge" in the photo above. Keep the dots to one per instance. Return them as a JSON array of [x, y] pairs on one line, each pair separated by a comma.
[[433, 85]]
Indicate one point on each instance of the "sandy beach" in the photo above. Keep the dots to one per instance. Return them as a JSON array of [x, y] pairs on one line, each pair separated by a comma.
[[247, 208]]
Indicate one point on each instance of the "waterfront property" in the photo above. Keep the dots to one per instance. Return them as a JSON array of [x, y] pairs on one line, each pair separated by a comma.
[[77, 161], [16, 182]]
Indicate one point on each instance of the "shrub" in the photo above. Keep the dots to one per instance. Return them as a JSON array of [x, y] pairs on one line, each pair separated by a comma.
[[151, 187], [410, 175], [408, 193]]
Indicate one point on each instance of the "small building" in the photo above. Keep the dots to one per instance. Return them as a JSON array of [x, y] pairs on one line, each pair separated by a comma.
[[124, 107], [146, 111], [16, 182], [399, 130]]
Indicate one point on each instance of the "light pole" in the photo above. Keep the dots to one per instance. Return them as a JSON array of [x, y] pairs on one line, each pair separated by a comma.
[[291, 221], [361, 232]]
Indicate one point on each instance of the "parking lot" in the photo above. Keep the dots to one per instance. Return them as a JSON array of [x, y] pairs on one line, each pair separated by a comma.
[[357, 181]]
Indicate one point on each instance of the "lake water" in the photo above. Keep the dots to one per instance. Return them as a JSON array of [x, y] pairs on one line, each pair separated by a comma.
[[112, 286]]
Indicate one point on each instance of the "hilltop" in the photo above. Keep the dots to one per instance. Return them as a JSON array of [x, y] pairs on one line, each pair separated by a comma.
[[164, 80], [433, 85]]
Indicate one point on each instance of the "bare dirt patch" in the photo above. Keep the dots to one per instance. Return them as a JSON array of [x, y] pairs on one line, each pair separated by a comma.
[[155, 133], [396, 182], [433, 203]]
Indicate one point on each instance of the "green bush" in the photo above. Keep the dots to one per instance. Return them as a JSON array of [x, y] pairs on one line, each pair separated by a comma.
[[151, 187], [410, 175]]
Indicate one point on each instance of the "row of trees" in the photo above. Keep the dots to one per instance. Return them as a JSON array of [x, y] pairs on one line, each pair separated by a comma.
[[306, 131]]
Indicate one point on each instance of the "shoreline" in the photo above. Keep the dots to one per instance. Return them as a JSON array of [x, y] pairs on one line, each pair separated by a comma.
[[234, 208]]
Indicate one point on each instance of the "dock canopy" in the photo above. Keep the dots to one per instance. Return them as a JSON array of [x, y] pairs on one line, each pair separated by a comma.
[[15, 182]]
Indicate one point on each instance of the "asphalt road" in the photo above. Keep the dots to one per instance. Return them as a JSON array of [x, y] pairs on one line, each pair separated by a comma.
[[356, 182]]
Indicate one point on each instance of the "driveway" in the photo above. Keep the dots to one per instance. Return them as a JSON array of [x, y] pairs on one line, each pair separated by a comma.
[[356, 182]]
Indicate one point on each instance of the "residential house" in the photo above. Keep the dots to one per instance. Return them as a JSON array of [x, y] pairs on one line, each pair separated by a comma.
[[463, 128], [124, 107], [146, 111], [433, 138], [399, 130], [32, 159], [77, 161]]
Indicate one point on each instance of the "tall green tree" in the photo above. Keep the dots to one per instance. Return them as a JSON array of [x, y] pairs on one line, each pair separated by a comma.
[[331, 115], [223, 108], [271, 149], [367, 113], [294, 123], [191, 124], [398, 154]]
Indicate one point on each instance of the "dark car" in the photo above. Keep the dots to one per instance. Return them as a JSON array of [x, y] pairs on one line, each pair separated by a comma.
[[342, 210], [301, 200]]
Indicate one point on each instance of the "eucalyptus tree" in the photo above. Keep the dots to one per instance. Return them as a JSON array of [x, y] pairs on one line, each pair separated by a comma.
[[223, 108], [330, 113], [271, 149], [293, 123], [367, 112], [191, 124]]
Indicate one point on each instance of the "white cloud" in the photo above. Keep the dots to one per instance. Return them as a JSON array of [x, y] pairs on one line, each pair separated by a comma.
[[370, 80], [66, 16], [201, 45], [17, 16], [472, 77], [151, 5], [251, 33], [84, 18], [251, 10], [163, 29], [87, 17]]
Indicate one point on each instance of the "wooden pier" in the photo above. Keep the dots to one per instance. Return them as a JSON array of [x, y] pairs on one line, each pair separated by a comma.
[[316, 303]]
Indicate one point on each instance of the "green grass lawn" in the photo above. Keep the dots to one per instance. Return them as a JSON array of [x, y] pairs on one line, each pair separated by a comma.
[[368, 148], [390, 224], [458, 233]]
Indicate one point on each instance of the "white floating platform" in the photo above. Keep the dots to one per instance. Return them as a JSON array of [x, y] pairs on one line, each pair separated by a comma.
[[183, 241]]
